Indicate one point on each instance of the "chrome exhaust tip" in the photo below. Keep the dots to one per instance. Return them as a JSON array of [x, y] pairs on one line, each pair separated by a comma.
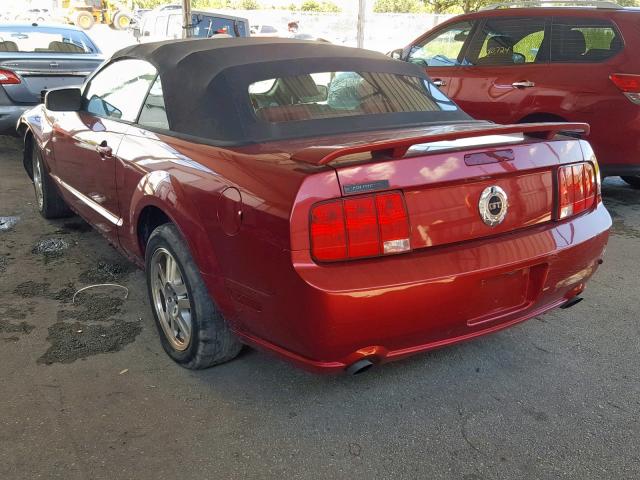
[[570, 303], [360, 366]]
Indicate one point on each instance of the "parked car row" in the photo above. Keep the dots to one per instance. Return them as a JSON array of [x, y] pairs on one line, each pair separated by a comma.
[[36, 58]]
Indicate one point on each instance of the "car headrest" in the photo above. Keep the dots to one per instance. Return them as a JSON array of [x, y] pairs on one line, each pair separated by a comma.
[[64, 47], [500, 46], [616, 44], [302, 86], [573, 46], [8, 46]]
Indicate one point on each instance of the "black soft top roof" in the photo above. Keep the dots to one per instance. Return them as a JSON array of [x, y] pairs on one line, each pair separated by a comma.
[[205, 85]]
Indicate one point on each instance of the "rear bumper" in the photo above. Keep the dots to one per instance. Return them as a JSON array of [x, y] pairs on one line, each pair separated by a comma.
[[386, 309], [9, 115]]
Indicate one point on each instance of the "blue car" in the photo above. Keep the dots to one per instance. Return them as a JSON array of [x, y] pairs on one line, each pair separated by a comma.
[[35, 58]]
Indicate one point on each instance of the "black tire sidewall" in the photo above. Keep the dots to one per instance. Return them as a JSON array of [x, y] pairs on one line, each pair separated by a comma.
[[633, 181], [53, 205]]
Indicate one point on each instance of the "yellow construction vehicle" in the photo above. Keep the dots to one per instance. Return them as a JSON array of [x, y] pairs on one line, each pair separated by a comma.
[[85, 13]]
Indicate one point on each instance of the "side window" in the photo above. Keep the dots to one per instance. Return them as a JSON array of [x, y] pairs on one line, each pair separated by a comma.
[[118, 90], [161, 25], [509, 41], [583, 40], [442, 49], [154, 113], [174, 30]]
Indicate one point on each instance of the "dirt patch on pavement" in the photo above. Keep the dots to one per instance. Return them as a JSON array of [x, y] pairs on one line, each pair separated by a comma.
[[51, 248], [619, 227], [107, 271], [15, 313], [65, 294], [93, 329], [74, 226], [4, 263], [7, 223], [22, 327], [92, 308], [31, 289], [73, 341]]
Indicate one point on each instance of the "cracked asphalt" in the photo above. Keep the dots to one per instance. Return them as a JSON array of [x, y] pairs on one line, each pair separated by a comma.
[[87, 392]]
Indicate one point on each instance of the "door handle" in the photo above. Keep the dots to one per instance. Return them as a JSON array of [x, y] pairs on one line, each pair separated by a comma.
[[438, 82], [104, 150], [523, 84]]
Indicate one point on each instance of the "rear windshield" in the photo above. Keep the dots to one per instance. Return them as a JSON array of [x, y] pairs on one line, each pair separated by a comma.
[[61, 41], [340, 94]]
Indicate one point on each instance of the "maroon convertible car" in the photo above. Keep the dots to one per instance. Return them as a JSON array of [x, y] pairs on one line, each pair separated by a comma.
[[324, 203]]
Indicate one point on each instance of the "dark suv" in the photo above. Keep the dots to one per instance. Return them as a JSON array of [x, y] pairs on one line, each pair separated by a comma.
[[516, 64]]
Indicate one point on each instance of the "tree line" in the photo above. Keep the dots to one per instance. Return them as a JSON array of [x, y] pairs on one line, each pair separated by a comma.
[[450, 6], [379, 6]]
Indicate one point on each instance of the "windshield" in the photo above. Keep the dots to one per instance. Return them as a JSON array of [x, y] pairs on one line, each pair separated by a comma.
[[45, 41], [340, 94]]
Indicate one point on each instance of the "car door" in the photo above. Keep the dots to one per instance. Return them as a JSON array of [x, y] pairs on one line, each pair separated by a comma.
[[505, 69], [442, 52], [86, 142]]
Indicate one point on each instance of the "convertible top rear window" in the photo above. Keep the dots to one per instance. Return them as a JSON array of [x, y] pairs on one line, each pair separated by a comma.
[[220, 93], [340, 94]]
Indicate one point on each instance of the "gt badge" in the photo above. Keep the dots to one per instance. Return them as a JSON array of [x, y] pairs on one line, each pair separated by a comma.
[[493, 205]]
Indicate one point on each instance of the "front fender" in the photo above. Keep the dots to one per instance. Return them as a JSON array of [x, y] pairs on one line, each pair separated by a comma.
[[31, 125]]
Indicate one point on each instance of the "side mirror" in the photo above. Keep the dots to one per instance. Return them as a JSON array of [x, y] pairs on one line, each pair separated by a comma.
[[63, 100], [396, 54]]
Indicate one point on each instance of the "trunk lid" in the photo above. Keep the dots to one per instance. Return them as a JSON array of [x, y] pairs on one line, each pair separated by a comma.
[[449, 185], [44, 73]]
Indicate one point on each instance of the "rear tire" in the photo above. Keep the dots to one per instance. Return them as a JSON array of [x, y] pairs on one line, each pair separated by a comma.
[[192, 330], [48, 200], [633, 181], [84, 20]]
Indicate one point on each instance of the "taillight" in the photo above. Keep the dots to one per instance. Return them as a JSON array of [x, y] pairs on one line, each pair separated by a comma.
[[7, 77], [359, 227], [578, 189], [628, 84]]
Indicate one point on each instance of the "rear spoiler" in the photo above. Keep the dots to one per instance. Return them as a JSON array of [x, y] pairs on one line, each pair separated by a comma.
[[397, 148]]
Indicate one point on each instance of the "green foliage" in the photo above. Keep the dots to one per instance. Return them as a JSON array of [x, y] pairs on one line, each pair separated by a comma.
[[249, 4], [397, 6], [319, 6], [431, 6], [148, 3]]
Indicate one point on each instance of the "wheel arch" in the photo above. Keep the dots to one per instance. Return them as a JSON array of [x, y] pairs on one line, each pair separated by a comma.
[[158, 199], [27, 148]]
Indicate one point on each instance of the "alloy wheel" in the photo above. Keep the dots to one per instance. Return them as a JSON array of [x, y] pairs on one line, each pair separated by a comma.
[[171, 299]]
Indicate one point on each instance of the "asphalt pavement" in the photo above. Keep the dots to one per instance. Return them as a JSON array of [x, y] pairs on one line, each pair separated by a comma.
[[87, 392]]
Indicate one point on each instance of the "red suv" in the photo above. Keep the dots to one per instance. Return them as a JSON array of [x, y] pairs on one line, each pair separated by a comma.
[[512, 65]]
